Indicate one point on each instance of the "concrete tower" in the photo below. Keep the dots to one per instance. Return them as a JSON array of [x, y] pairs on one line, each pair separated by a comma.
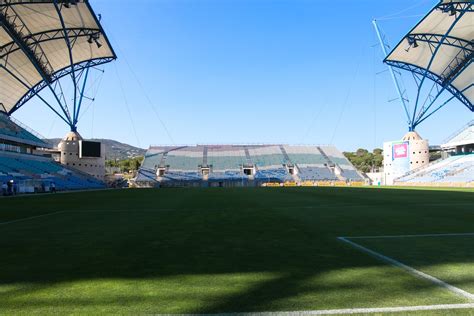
[[77, 153], [400, 157]]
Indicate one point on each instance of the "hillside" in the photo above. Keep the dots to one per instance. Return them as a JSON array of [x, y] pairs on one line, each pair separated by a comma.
[[113, 148]]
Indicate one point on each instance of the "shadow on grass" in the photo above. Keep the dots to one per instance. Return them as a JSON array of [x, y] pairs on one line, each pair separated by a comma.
[[261, 231]]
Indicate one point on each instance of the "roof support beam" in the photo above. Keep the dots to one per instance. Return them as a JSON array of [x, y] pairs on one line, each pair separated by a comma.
[[11, 22], [50, 35], [392, 73], [21, 2], [56, 76], [438, 39], [420, 71], [17, 38], [430, 63], [71, 62], [456, 7], [446, 102], [446, 84], [32, 41], [28, 87]]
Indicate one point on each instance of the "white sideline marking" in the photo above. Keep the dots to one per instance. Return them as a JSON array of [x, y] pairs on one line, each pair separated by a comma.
[[410, 236], [409, 269], [359, 310], [30, 218]]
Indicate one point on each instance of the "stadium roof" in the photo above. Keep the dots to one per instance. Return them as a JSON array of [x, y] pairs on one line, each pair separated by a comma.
[[440, 47], [465, 136], [42, 41]]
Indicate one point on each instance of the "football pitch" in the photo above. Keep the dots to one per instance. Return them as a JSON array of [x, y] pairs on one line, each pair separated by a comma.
[[255, 250]]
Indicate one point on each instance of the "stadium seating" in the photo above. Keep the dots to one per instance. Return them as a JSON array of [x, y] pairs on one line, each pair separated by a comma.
[[316, 173], [146, 176], [182, 176], [336, 156], [351, 174], [347, 169], [273, 175], [152, 160], [183, 161], [226, 159], [11, 129], [305, 155], [226, 163], [456, 169], [264, 156], [33, 173], [227, 176]]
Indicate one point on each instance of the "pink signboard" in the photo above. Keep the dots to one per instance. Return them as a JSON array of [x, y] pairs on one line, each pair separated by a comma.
[[400, 150]]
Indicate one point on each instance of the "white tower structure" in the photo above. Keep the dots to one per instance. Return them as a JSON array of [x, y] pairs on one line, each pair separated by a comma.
[[400, 157], [85, 156]]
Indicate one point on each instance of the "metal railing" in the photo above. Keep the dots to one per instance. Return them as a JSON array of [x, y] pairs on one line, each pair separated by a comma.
[[459, 131], [28, 129]]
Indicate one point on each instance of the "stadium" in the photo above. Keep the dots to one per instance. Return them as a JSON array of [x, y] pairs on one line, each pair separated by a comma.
[[234, 228], [259, 165]]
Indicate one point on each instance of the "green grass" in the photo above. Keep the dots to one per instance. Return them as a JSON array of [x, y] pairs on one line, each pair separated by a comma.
[[228, 250], [448, 258]]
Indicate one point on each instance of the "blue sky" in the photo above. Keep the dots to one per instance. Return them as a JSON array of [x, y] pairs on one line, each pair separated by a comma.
[[248, 71]]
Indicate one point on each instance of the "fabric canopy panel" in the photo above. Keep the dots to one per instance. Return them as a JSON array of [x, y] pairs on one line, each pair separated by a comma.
[[441, 48], [44, 40]]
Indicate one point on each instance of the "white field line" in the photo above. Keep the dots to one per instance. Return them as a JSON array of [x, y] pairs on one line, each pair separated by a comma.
[[349, 310], [30, 218], [352, 311], [411, 236], [410, 270]]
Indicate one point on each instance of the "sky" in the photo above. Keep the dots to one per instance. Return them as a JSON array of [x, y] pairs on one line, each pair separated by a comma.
[[248, 71]]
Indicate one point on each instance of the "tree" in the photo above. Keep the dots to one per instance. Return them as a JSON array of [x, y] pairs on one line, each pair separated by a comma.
[[126, 165], [365, 161], [362, 152]]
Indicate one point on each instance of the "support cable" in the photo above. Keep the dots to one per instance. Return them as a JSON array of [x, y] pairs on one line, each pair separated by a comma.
[[374, 95], [346, 100], [152, 106], [315, 118], [96, 83], [150, 103], [394, 15], [126, 105]]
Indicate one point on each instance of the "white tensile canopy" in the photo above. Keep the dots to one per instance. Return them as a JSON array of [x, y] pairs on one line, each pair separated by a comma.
[[440, 47], [44, 40]]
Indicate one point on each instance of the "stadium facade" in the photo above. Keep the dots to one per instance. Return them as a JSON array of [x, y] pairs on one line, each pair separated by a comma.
[[245, 165]]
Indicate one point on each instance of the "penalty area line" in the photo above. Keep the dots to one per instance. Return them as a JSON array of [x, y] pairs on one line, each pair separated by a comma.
[[412, 271], [352, 311], [412, 236], [30, 218]]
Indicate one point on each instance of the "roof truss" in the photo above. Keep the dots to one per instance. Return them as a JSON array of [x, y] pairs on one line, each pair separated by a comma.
[[58, 38]]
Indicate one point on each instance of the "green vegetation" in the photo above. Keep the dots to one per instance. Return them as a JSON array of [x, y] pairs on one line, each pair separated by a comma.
[[229, 250], [365, 161], [126, 165]]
